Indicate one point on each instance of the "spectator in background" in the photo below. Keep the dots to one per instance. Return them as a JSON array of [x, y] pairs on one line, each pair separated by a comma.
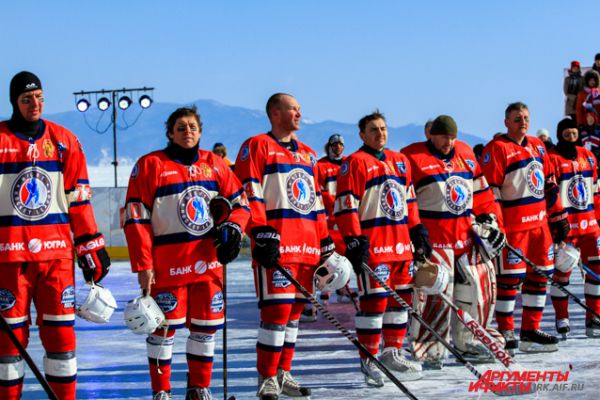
[[596, 66], [428, 128], [590, 133], [588, 98], [544, 136], [572, 85], [220, 150], [478, 150]]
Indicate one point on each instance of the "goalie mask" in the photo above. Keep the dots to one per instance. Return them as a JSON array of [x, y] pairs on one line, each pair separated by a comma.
[[143, 316], [566, 258], [98, 306], [334, 273], [431, 278]]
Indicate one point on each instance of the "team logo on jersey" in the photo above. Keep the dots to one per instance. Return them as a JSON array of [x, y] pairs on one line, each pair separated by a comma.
[[166, 301], [458, 195], [514, 259], [383, 272], [471, 164], [67, 297], [135, 171], [300, 191], [216, 304], [551, 252], [401, 167], [486, 158], [312, 158], [535, 179], [7, 299], [244, 152], [391, 200], [48, 148], [577, 192], [205, 170], [193, 210], [280, 281], [32, 194], [344, 168], [542, 150]]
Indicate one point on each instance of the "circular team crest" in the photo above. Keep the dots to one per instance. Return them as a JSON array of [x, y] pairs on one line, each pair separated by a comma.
[[383, 272], [391, 200], [166, 301], [300, 191], [32, 194], [458, 195], [535, 179], [193, 210], [578, 193]]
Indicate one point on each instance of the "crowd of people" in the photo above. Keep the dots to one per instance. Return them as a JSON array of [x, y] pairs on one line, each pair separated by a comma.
[[431, 220]]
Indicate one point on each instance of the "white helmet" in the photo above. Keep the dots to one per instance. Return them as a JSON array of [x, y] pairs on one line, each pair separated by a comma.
[[334, 273], [566, 257], [431, 278], [99, 304], [142, 315]]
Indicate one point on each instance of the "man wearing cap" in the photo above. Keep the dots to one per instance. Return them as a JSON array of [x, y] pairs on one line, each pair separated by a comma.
[[451, 190], [45, 202], [544, 136], [573, 83]]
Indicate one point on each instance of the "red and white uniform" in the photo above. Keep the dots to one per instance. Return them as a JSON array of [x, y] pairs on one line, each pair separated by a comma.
[[168, 230], [376, 198], [281, 184], [522, 178], [327, 171], [47, 194], [579, 193]]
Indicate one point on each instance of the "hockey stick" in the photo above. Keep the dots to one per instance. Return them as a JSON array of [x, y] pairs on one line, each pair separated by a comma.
[[325, 312], [538, 271], [352, 298], [515, 390], [588, 270], [220, 209], [13, 338]]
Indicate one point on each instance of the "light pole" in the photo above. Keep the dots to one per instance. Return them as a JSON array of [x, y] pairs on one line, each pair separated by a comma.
[[103, 103]]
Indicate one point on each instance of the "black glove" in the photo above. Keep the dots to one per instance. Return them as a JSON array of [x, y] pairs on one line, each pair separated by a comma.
[[92, 257], [485, 219], [228, 241], [327, 248], [266, 246], [357, 251], [559, 227], [420, 241]]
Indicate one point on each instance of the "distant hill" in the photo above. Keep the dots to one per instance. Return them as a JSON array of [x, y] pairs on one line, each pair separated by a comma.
[[227, 124]]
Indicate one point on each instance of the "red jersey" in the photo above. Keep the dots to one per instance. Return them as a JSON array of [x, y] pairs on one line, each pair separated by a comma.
[[47, 194], [281, 185], [522, 179], [376, 198], [167, 223], [578, 183], [327, 172], [449, 192]]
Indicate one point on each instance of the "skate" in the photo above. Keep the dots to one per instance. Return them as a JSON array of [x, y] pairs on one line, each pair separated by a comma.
[[308, 315], [563, 328], [290, 387], [162, 395], [268, 388], [592, 328], [373, 376], [537, 341], [477, 353], [198, 394], [511, 341], [404, 369]]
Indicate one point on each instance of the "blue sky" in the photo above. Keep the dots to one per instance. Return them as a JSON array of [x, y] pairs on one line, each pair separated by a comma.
[[341, 59]]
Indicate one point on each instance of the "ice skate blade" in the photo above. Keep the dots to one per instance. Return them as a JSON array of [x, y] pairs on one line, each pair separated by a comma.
[[374, 382], [592, 333], [532, 347], [408, 376]]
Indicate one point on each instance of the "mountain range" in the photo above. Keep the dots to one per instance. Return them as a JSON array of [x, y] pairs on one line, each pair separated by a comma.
[[229, 125]]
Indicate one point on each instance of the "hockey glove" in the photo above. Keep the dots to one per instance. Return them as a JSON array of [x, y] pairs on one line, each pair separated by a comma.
[[266, 246], [488, 235], [357, 251], [92, 257], [420, 241], [327, 248], [559, 227], [228, 241]]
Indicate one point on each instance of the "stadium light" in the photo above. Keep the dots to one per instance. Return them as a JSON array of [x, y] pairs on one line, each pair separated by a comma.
[[145, 101], [124, 102], [103, 104], [83, 105]]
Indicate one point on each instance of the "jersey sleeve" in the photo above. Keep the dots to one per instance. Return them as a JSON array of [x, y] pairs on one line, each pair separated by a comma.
[[484, 201], [231, 188], [322, 230], [411, 197], [328, 198], [350, 190], [138, 214], [250, 168], [554, 207], [493, 167]]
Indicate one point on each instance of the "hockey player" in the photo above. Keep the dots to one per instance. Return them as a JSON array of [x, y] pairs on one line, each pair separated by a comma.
[[177, 252], [576, 174], [46, 202], [377, 215], [450, 190], [520, 173], [287, 228]]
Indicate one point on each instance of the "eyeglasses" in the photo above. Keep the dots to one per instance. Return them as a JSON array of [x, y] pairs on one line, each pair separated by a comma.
[[518, 120]]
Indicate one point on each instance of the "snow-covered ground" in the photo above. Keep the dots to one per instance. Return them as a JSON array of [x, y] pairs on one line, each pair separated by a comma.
[[113, 363]]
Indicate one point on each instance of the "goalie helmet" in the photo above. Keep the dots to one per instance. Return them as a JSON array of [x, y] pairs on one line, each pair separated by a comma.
[[431, 278], [566, 257], [99, 304], [334, 273], [142, 315]]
